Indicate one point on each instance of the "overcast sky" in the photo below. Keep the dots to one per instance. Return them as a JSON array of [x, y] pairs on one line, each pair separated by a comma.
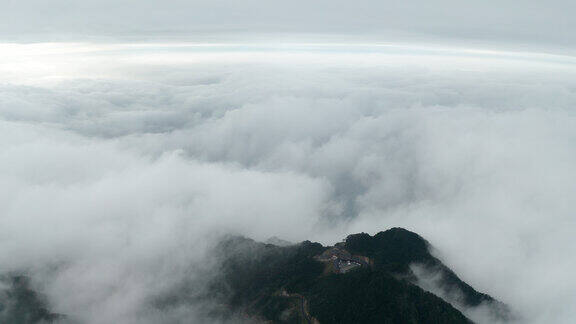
[[510, 22]]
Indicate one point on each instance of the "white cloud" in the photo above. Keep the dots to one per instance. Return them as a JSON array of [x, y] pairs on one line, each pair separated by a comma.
[[117, 172]]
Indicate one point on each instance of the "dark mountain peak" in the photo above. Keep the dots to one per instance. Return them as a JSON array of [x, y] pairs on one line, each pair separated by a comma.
[[398, 250], [364, 279], [401, 235], [395, 237], [394, 249]]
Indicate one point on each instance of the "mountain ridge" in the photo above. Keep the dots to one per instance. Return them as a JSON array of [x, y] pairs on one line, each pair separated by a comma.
[[345, 283], [363, 279]]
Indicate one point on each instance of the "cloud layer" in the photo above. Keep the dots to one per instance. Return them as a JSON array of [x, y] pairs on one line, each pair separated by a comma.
[[120, 167]]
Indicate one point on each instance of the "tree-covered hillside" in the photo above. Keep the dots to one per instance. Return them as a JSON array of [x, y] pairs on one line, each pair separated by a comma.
[[303, 284], [364, 279]]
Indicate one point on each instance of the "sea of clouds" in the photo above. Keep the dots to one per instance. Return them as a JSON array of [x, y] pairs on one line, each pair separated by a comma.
[[121, 165]]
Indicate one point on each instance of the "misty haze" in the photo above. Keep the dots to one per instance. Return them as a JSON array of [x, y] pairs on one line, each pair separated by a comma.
[[287, 162]]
